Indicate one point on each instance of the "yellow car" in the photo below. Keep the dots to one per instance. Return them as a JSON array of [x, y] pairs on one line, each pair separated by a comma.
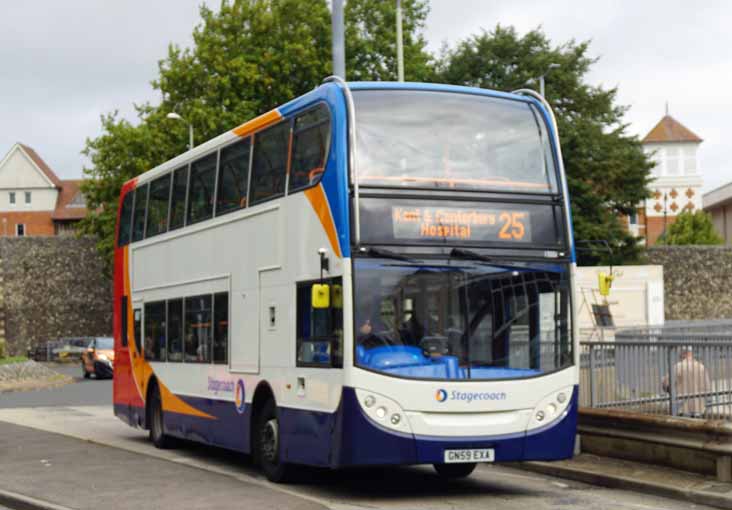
[[98, 358]]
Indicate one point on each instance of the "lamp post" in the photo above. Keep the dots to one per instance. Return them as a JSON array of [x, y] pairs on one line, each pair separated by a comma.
[[400, 45], [175, 116], [541, 78]]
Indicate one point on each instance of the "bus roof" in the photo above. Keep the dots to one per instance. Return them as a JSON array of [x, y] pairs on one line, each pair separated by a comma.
[[319, 93]]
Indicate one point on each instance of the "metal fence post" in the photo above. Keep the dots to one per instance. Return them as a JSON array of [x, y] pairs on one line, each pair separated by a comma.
[[592, 378], [671, 379]]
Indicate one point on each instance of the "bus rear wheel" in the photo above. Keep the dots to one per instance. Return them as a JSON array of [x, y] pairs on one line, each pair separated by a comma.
[[268, 449], [157, 430], [455, 470]]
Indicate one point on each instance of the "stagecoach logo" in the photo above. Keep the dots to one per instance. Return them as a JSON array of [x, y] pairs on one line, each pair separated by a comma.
[[239, 399], [469, 396]]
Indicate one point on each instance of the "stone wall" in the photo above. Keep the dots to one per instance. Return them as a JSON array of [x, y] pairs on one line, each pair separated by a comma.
[[52, 287], [697, 281]]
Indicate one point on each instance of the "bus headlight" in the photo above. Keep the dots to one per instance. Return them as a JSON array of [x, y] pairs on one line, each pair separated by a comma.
[[551, 408], [383, 411]]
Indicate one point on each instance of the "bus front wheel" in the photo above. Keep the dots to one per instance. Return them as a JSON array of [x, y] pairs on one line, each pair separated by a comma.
[[455, 470], [268, 445]]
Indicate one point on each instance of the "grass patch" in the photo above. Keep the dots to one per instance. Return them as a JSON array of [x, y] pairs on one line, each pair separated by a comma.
[[12, 359]]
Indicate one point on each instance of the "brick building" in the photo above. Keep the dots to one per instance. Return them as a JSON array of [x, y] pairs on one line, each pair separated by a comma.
[[33, 200], [676, 178]]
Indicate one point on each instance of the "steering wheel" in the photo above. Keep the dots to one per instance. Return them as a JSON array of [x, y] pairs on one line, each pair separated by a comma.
[[373, 340]]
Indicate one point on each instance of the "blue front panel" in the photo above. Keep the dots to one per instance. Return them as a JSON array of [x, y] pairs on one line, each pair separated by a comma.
[[349, 438]]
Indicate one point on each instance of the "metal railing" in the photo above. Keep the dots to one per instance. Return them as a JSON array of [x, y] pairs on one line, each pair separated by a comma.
[[675, 374], [64, 349]]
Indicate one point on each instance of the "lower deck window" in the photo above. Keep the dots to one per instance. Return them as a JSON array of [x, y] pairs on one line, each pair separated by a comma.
[[155, 326], [320, 330], [198, 329]]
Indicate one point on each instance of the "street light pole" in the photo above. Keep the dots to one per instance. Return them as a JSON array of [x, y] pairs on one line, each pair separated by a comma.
[[175, 116], [541, 78], [339, 46], [400, 45]]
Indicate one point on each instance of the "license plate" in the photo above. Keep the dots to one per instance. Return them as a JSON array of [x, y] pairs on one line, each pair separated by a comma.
[[481, 455]]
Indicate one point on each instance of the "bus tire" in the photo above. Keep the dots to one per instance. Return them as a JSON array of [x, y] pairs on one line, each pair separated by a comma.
[[268, 451], [453, 471], [157, 430]]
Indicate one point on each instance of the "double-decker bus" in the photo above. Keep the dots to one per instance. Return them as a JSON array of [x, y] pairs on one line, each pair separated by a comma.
[[371, 274]]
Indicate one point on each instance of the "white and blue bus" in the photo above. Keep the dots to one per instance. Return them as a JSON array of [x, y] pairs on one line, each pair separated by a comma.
[[371, 274]]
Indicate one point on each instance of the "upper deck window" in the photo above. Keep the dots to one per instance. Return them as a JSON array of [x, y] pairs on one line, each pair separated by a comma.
[[157, 209], [125, 220], [269, 166], [233, 177], [178, 198], [138, 221], [201, 195], [424, 139], [309, 146]]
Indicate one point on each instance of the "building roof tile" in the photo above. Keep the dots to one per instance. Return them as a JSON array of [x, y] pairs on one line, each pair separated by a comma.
[[669, 129], [67, 208], [41, 164]]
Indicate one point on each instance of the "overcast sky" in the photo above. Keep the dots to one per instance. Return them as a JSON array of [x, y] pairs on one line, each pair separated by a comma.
[[63, 64]]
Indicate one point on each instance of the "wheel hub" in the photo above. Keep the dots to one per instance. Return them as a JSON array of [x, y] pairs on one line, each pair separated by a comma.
[[270, 440]]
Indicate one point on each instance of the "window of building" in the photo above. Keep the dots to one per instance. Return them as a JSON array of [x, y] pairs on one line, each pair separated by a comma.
[[125, 220], [269, 163], [175, 330], [673, 161], [155, 331], [201, 196], [309, 146], [20, 230], [178, 198], [138, 219], [198, 329], [11, 197], [27, 197], [157, 209], [233, 177], [221, 328], [690, 160], [320, 331]]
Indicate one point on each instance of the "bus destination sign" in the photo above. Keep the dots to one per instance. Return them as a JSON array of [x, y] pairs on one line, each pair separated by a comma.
[[461, 224]]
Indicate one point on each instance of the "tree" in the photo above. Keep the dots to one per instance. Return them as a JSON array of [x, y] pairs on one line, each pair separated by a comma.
[[607, 171], [248, 57], [371, 40], [691, 228]]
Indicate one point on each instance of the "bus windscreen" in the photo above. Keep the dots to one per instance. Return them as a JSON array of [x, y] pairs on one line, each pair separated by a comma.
[[424, 139]]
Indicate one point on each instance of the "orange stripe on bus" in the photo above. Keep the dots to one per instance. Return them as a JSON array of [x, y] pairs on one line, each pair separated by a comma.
[[318, 200], [257, 123]]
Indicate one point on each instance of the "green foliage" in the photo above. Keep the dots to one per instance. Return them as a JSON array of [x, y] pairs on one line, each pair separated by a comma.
[[371, 41], [12, 359], [253, 55], [607, 171], [248, 57], [691, 228], [2, 349]]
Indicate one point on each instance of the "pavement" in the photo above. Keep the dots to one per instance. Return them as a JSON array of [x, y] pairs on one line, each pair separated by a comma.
[[51, 470], [650, 479], [70, 451]]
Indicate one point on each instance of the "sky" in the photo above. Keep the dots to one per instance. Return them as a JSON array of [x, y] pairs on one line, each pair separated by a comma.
[[64, 64]]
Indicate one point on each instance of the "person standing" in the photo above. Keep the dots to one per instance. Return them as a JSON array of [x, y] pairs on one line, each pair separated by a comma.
[[691, 378]]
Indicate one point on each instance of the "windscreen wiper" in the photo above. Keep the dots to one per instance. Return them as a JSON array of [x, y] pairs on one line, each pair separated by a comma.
[[459, 253], [385, 254]]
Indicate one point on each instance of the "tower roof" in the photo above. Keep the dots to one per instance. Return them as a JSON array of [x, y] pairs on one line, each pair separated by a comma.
[[669, 129]]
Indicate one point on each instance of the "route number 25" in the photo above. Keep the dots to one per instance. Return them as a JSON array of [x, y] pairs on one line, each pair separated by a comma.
[[513, 225]]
